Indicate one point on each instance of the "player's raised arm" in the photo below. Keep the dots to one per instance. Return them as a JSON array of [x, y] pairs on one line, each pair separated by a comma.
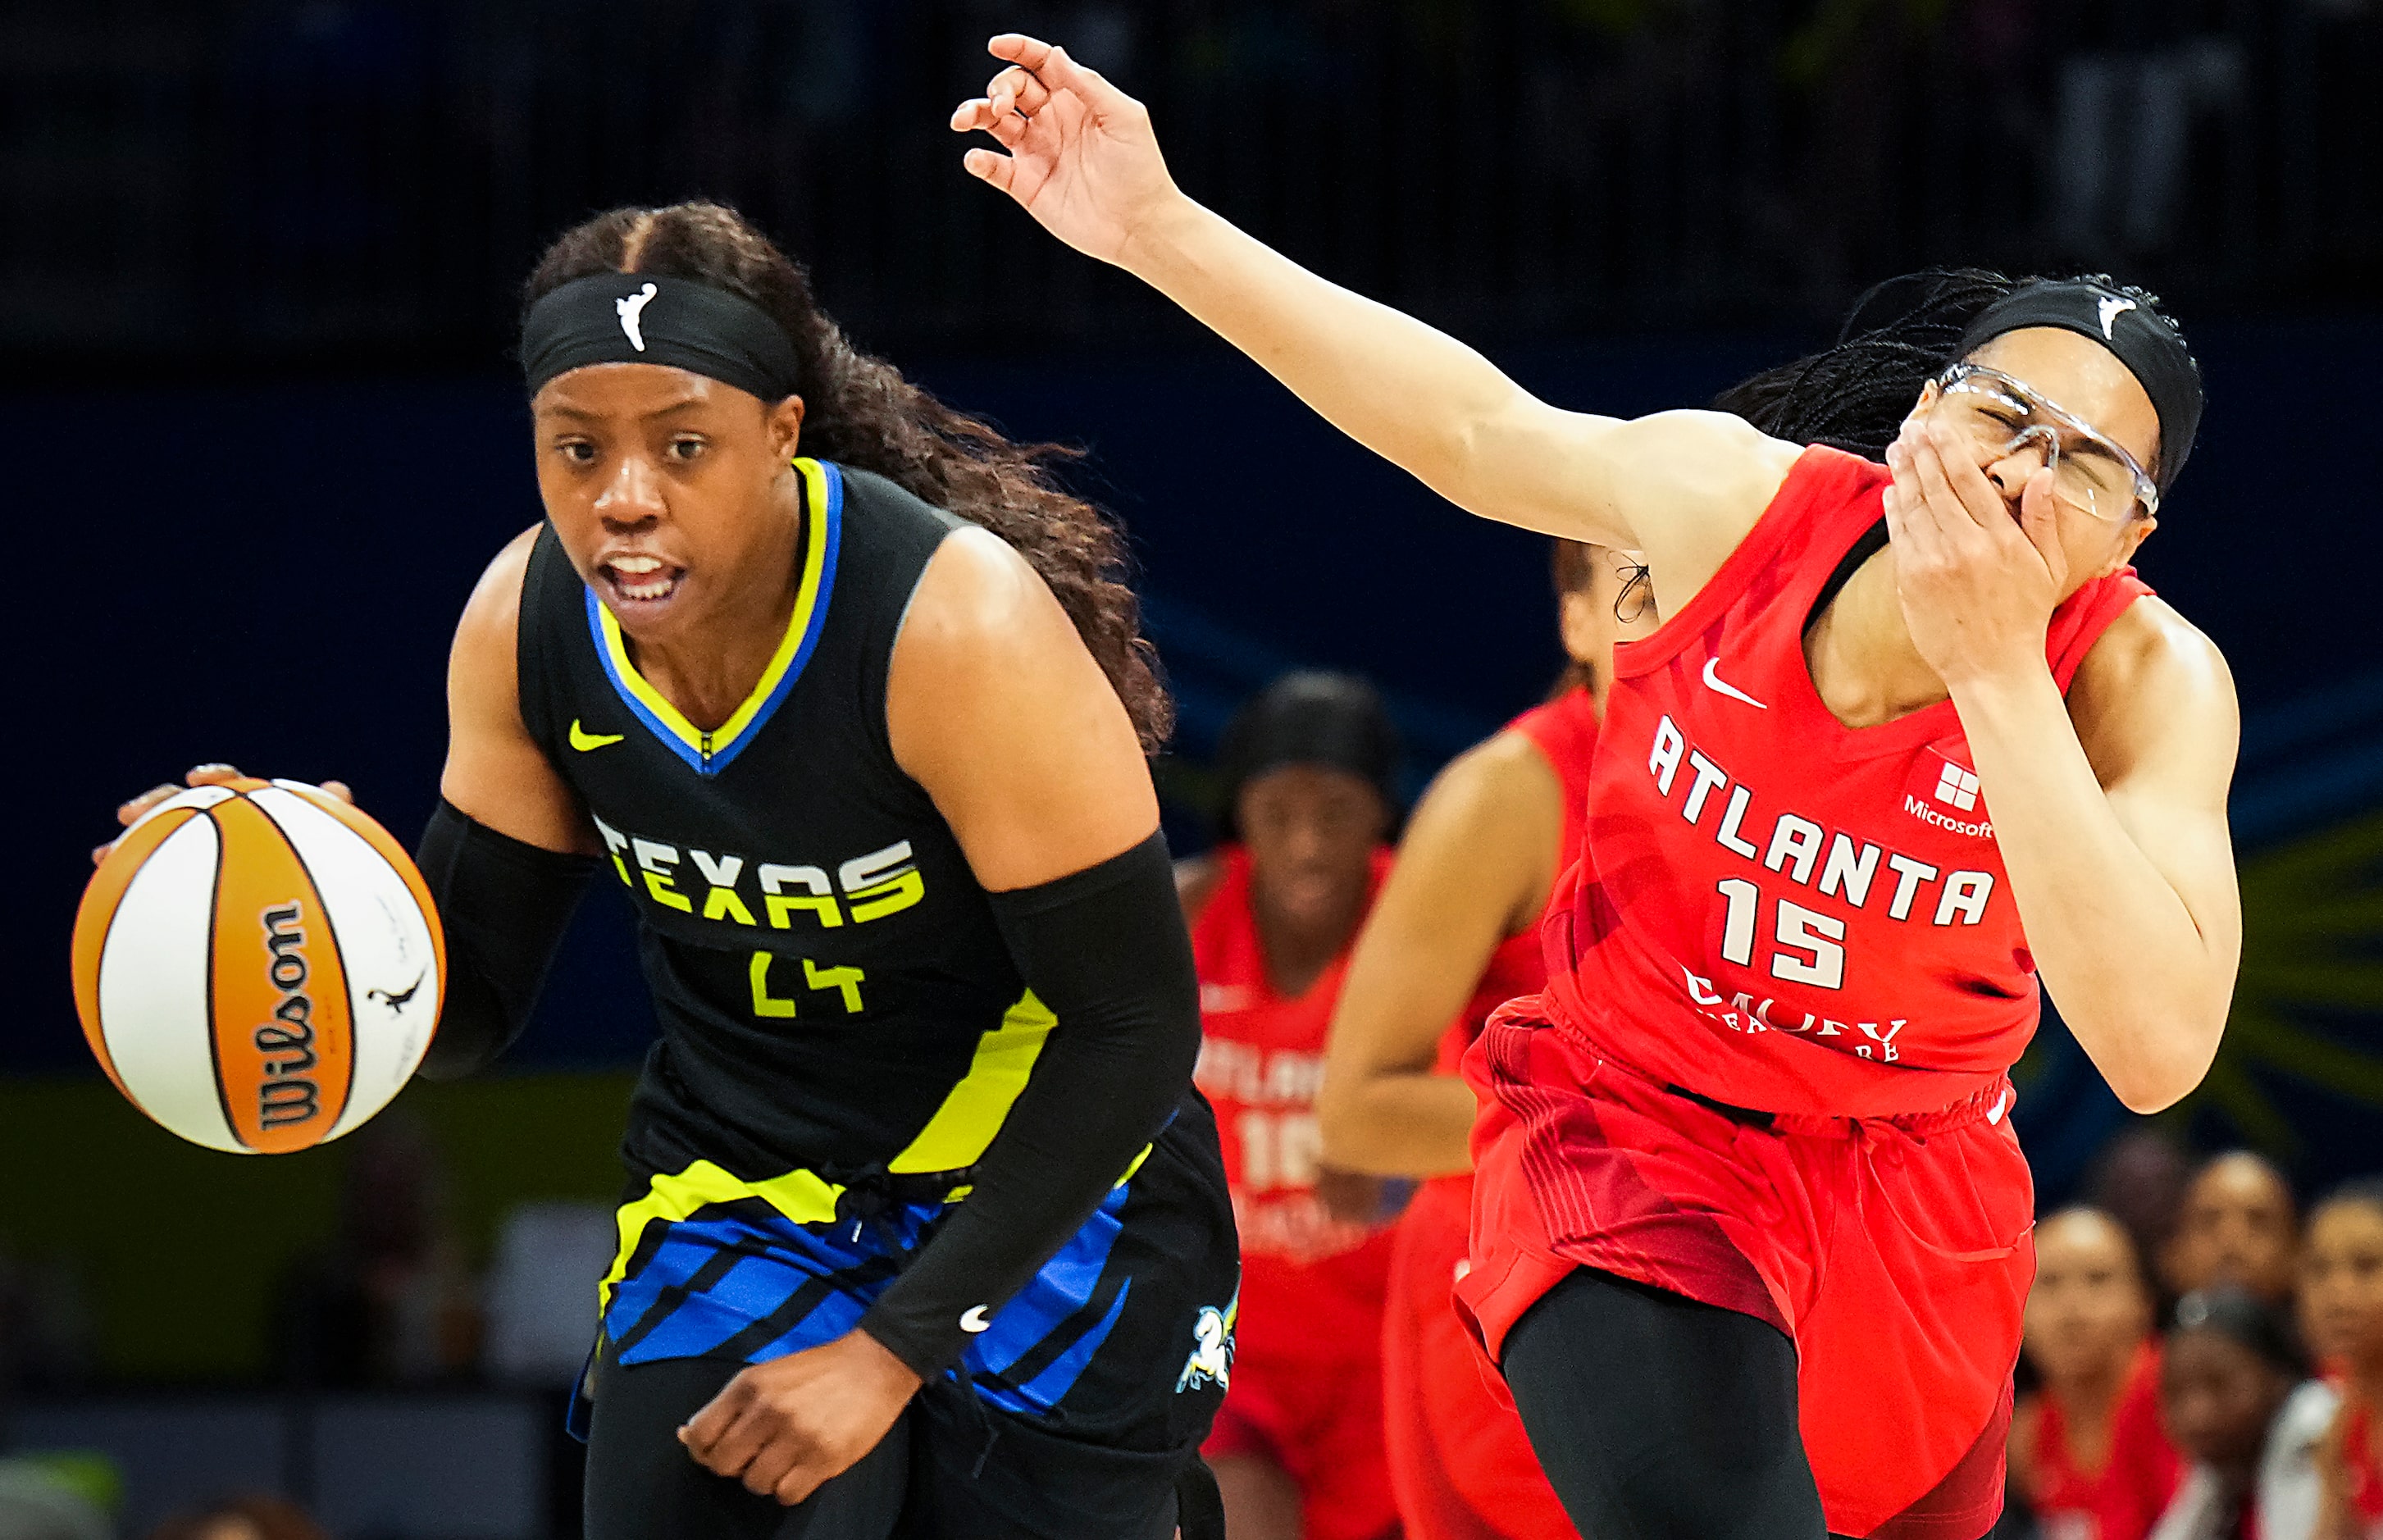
[[1083, 161]]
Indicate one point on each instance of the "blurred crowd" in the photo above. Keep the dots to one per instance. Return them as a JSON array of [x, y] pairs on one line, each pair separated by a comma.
[[2205, 1369], [392, 166]]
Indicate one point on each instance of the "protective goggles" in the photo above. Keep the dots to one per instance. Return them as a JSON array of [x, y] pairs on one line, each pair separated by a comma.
[[2090, 470]]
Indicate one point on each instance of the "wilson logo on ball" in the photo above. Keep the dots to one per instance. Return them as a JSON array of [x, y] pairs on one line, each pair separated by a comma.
[[288, 1093], [258, 967]]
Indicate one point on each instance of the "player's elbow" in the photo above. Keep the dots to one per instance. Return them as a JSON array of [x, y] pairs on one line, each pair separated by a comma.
[[2145, 1095], [2165, 1068]]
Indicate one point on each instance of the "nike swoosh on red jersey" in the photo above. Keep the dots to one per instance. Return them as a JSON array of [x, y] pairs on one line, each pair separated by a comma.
[[1715, 683]]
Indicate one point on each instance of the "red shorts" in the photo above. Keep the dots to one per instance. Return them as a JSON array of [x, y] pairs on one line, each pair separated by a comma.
[[1321, 1420], [1460, 1462], [1897, 1253]]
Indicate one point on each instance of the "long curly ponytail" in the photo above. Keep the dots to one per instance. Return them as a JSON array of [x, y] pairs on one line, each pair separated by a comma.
[[860, 411]]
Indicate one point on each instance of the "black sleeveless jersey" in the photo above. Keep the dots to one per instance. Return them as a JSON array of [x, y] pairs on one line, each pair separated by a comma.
[[833, 995]]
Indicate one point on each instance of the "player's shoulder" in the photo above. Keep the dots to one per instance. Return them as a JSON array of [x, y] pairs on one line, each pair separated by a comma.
[[1507, 765], [1497, 803], [1699, 482], [492, 615], [2154, 696], [979, 611], [2152, 659]]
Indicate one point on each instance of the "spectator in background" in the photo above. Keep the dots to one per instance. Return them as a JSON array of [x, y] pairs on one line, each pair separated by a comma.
[[2140, 1179], [1298, 1446], [241, 1519], [2239, 1226], [2342, 1312], [2234, 1394], [391, 1304], [2086, 1450]]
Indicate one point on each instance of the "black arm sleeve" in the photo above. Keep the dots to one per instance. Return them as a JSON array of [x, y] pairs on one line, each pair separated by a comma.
[[505, 906], [1106, 949]]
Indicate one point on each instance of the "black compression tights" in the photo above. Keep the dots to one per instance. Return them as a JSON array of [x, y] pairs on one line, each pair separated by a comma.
[[1658, 1418], [642, 1484]]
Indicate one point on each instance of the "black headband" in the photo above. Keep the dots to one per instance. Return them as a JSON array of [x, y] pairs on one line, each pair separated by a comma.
[[2146, 344], [643, 318], [1310, 717]]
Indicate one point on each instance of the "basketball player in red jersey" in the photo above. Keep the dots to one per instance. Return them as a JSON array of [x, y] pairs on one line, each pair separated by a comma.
[[2087, 1449], [1309, 802], [2342, 1302], [1455, 936], [1752, 1229]]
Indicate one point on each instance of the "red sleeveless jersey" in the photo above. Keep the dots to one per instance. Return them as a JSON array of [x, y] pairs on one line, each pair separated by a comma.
[[1772, 909], [2125, 1499], [1565, 732], [1311, 1285]]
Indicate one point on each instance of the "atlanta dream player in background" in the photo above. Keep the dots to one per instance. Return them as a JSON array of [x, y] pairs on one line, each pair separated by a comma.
[[1752, 1230]]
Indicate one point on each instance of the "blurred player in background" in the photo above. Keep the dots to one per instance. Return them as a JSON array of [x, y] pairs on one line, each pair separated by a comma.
[[2341, 1307], [2086, 1450], [1455, 937], [1752, 1232], [1310, 800], [2238, 1225]]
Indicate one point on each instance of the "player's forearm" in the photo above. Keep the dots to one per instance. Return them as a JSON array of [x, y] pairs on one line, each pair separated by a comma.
[[1414, 395], [1106, 952], [2136, 980], [1399, 1124]]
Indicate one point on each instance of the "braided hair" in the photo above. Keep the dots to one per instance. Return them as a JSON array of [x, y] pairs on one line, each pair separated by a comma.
[[1854, 395], [1901, 334]]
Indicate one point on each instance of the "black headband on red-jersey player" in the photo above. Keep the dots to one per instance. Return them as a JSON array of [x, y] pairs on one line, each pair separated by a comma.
[[2145, 341], [1311, 717], [652, 318]]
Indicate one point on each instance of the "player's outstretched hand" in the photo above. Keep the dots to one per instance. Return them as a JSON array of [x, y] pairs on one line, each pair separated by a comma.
[[131, 812], [1082, 159], [785, 1428]]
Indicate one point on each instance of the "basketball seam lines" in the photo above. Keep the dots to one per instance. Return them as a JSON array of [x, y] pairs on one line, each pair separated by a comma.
[[215, 920]]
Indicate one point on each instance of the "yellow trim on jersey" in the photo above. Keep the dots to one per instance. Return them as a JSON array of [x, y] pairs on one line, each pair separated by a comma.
[[974, 1109], [806, 596], [802, 1195]]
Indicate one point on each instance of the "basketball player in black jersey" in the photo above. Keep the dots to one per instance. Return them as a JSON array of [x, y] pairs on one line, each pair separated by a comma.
[[926, 1231]]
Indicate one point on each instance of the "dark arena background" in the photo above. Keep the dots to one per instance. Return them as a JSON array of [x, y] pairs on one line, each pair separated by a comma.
[[257, 295]]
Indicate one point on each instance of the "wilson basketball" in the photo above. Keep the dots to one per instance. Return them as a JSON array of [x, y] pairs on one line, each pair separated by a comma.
[[258, 965]]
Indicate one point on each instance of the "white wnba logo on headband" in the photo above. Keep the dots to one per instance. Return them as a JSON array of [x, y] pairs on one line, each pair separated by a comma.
[[2113, 307], [634, 306]]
